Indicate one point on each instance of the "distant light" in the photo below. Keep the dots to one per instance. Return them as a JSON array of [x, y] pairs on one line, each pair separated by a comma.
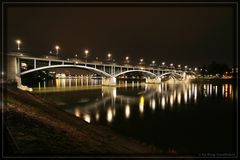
[[185, 66], [21, 54], [18, 44], [195, 68], [86, 51], [76, 55], [18, 41], [179, 66], [127, 58], [57, 47], [47, 57], [163, 63], [141, 60], [109, 55], [153, 62], [2, 73], [68, 59], [171, 64]]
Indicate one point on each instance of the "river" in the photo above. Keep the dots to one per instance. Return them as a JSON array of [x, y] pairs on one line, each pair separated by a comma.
[[183, 118]]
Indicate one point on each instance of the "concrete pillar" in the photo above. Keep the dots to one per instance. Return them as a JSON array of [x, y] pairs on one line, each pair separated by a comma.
[[109, 81], [12, 68], [35, 63], [103, 68]]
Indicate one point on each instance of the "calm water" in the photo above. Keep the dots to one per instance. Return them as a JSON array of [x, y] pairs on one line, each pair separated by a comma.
[[186, 118]]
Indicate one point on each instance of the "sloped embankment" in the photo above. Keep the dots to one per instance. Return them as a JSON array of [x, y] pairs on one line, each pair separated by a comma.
[[38, 127]]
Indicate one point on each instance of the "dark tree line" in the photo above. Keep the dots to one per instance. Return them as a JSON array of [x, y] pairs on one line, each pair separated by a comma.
[[215, 68]]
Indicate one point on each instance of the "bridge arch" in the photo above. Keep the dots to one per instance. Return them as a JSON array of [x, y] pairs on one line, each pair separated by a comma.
[[171, 73], [68, 66], [142, 71]]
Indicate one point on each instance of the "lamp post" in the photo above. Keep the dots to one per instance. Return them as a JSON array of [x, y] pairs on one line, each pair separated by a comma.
[[18, 44], [57, 48], [171, 65], [109, 55], [86, 53], [153, 63], [127, 59], [141, 61]]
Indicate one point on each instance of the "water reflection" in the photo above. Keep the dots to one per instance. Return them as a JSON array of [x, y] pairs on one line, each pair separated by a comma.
[[169, 96], [137, 108], [109, 115], [141, 104], [156, 97], [127, 111]]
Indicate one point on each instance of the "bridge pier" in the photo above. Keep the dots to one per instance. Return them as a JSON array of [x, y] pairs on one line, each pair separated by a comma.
[[109, 81], [155, 80]]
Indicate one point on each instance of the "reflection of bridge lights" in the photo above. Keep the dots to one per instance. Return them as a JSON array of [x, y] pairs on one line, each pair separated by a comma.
[[171, 100], [185, 96], [210, 90], [223, 90], [163, 103], [114, 92], [195, 93], [57, 83], [179, 97], [230, 90], [87, 118], [189, 94], [153, 104], [159, 88], [109, 115], [141, 104], [97, 116], [127, 111], [216, 88], [77, 112]]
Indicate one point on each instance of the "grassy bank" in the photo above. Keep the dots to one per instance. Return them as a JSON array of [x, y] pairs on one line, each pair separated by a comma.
[[36, 127]]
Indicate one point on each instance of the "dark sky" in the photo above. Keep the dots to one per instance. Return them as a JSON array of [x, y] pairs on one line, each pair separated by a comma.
[[181, 35]]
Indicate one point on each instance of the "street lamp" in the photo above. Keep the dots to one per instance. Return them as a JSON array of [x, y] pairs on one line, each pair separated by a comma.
[[171, 64], [195, 69], [185, 67], [127, 59], [141, 61], [109, 56], [163, 63], [86, 53], [18, 44], [57, 48], [179, 66]]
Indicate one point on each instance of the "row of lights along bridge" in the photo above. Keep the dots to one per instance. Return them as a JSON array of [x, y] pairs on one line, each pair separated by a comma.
[[111, 60]]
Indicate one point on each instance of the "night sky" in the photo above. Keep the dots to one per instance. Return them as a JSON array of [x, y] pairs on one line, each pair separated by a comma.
[[187, 35]]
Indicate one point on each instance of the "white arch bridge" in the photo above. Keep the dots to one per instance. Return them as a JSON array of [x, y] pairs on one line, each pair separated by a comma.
[[21, 65]]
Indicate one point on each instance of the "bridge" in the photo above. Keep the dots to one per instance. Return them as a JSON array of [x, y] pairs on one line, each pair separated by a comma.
[[19, 65]]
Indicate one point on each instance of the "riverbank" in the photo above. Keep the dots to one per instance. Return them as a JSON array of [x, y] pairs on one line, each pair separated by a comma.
[[36, 127]]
